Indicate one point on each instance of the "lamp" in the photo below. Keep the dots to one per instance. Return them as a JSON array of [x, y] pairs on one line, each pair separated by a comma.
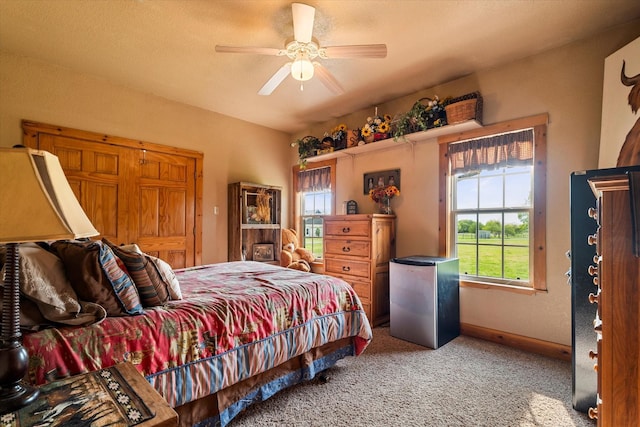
[[302, 68], [36, 204]]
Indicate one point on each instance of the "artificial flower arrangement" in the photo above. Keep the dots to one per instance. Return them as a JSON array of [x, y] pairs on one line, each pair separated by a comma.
[[435, 112], [381, 194], [425, 114], [339, 132], [339, 136], [380, 125]]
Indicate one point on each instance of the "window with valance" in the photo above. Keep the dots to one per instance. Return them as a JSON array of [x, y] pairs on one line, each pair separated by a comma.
[[493, 209]]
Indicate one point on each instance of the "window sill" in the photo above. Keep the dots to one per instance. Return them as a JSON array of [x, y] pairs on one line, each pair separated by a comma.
[[499, 287]]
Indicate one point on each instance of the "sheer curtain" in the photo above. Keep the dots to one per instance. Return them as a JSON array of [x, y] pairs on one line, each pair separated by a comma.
[[492, 152]]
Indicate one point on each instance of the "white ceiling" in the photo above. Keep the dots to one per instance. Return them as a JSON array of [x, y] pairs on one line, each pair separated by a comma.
[[167, 47]]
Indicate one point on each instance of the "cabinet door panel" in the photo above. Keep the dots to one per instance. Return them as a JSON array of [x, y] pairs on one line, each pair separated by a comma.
[[166, 206]]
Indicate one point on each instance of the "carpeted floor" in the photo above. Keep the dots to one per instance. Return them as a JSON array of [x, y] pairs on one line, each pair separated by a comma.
[[467, 382]]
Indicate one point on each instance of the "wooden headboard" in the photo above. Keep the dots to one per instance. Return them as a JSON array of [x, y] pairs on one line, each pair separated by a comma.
[[132, 191]]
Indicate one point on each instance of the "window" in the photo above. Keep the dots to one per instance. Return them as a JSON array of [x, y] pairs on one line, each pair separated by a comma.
[[491, 211], [315, 198], [314, 205], [493, 215]]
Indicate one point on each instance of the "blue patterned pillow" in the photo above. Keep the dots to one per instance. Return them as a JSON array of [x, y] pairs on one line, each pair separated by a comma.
[[151, 288], [122, 284]]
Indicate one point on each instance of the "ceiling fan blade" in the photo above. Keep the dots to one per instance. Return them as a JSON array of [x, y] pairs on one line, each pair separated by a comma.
[[276, 79], [303, 16], [355, 51], [327, 79], [250, 49]]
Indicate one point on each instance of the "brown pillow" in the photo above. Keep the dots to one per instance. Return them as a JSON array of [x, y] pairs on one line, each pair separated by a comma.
[[43, 283], [95, 276], [151, 288]]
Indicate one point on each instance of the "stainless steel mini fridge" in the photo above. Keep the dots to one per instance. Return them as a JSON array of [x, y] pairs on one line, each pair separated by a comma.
[[424, 293]]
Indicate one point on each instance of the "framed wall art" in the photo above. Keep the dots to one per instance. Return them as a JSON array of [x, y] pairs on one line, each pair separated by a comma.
[[263, 252], [381, 179]]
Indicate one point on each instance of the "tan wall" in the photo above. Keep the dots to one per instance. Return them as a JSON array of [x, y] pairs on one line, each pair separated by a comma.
[[566, 83], [233, 150]]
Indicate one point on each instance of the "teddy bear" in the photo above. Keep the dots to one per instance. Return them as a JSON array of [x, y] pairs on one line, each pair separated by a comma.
[[293, 256]]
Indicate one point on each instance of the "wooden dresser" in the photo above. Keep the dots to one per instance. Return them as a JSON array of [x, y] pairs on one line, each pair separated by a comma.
[[617, 294], [357, 248]]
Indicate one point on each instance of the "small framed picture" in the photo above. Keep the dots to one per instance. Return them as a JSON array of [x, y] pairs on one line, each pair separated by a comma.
[[381, 179], [263, 252]]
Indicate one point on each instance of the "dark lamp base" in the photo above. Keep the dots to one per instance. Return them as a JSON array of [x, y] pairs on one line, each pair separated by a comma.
[[16, 397], [14, 394]]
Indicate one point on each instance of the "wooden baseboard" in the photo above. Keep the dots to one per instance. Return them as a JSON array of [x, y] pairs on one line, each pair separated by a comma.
[[532, 345]]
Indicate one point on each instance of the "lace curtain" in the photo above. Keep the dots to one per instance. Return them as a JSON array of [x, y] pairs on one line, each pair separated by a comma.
[[314, 179], [492, 152]]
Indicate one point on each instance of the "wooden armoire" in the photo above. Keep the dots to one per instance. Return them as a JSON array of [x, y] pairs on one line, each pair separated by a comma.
[[132, 191], [617, 325]]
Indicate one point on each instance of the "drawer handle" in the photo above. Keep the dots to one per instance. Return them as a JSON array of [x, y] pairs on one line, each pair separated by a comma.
[[346, 229], [346, 268], [593, 213], [593, 298], [593, 413], [592, 239], [346, 249], [592, 270]]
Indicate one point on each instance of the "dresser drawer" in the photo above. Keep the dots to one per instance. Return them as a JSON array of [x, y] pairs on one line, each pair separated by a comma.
[[348, 267], [347, 228], [360, 248], [363, 289]]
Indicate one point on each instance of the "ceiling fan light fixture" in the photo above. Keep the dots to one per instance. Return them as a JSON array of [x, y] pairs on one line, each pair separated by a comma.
[[302, 49], [302, 69]]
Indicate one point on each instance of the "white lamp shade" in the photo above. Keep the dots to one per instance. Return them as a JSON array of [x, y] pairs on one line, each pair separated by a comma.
[[36, 201]]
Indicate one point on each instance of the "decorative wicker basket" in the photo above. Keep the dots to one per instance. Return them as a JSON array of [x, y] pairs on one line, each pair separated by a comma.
[[463, 108]]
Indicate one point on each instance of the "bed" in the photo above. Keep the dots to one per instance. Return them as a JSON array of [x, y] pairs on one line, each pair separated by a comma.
[[241, 332]]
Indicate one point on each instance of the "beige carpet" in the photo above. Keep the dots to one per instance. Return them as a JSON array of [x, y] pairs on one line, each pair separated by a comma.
[[467, 382]]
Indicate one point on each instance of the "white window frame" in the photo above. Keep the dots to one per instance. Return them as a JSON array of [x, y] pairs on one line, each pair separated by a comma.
[[478, 212]]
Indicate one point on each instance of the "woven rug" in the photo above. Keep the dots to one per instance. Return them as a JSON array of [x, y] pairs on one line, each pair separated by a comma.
[[95, 399]]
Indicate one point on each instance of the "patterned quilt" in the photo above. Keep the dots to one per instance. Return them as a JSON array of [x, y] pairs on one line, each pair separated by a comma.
[[235, 320]]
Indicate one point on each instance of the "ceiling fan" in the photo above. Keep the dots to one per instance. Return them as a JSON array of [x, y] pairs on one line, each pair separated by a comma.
[[303, 49]]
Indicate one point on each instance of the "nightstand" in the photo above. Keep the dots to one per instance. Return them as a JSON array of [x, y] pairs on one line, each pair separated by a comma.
[[116, 396]]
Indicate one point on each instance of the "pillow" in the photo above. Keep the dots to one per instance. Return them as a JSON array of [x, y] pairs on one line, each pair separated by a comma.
[[43, 281], [164, 270], [96, 277], [151, 288], [31, 319], [168, 276]]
